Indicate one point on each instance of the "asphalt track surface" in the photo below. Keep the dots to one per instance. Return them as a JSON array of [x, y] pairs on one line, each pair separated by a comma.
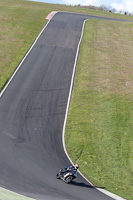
[[32, 111]]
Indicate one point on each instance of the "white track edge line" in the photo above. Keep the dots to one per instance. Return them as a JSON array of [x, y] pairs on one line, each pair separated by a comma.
[[114, 196], [18, 67]]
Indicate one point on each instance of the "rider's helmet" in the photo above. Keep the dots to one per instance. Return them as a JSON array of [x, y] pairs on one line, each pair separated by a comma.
[[76, 166]]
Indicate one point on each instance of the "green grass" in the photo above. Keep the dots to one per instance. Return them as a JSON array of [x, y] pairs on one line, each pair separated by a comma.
[[7, 195], [99, 126]]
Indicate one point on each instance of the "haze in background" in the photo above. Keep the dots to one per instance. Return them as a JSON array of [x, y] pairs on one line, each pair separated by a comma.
[[125, 5]]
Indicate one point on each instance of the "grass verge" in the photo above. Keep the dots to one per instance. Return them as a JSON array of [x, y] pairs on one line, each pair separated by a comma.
[[8, 195], [99, 126]]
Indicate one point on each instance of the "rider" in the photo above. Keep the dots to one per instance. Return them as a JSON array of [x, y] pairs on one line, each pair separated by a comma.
[[70, 168], [75, 167]]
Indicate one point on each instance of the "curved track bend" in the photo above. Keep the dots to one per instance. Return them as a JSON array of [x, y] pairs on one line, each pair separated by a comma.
[[32, 111]]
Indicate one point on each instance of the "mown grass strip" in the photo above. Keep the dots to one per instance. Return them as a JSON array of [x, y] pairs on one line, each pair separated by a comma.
[[8, 195], [99, 126]]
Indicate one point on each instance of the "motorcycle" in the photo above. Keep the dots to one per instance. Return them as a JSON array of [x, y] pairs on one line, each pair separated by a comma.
[[67, 176]]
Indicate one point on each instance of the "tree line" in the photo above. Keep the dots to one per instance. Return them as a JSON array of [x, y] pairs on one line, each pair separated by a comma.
[[104, 8]]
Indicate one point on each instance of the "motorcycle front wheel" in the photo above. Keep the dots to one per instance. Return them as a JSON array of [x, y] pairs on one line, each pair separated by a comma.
[[57, 176]]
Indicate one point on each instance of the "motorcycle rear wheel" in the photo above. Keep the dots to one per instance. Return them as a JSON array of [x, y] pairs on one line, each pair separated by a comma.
[[68, 179]]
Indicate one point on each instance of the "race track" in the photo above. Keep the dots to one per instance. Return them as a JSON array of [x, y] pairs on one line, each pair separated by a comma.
[[32, 111]]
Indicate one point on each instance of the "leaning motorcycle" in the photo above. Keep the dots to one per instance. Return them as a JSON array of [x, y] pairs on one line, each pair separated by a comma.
[[68, 176]]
